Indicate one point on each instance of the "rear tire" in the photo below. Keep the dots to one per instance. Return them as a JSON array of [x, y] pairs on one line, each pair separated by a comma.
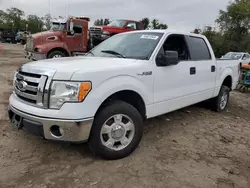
[[117, 131], [56, 54], [221, 101]]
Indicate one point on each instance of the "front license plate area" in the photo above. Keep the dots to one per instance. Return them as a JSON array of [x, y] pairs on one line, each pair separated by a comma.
[[16, 121]]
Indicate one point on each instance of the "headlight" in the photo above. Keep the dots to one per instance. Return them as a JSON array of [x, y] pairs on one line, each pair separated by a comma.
[[105, 33], [62, 92], [37, 50]]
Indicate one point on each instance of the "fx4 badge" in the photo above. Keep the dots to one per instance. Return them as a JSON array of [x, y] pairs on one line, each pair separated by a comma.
[[148, 73]]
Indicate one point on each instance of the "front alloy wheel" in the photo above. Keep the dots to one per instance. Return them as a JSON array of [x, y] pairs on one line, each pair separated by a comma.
[[116, 131]]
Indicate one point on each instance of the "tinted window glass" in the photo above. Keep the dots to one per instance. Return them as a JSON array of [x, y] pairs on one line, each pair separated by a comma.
[[139, 45], [132, 25], [198, 49], [139, 26], [176, 43], [246, 56], [77, 28]]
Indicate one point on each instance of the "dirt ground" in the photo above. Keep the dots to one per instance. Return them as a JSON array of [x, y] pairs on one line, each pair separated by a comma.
[[191, 148]]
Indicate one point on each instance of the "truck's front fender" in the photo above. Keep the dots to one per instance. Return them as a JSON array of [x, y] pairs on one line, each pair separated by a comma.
[[116, 84], [48, 47]]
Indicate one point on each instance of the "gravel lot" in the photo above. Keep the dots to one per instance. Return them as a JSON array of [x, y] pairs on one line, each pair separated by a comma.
[[192, 148]]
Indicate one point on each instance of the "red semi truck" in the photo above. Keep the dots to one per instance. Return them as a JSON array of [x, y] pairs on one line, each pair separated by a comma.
[[101, 33], [71, 36]]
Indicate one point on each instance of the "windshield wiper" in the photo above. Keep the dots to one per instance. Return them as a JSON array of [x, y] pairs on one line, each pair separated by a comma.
[[113, 53], [89, 52]]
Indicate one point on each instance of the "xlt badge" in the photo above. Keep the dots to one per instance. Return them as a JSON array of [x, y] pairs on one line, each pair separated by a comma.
[[145, 73]]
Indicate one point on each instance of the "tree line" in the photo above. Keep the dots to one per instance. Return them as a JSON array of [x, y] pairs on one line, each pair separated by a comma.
[[153, 24], [14, 18], [233, 33]]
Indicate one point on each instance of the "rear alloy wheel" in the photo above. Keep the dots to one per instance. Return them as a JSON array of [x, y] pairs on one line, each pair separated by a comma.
[[117, 131], [220, 102], [56, 54]]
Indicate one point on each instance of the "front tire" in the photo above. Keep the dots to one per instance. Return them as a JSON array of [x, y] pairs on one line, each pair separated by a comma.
[[117, 131], [56, 54], [221, 101]]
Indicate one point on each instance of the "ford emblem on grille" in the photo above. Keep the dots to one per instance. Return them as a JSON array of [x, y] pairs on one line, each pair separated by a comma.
[[21, 85]]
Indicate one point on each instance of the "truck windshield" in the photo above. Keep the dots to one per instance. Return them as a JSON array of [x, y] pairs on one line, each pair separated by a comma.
[[232, 55], [134, 45], [57, 26], [117, 23]]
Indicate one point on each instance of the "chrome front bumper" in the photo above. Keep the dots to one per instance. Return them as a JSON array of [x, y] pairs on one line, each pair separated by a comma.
[[34, 56], [72, 130]]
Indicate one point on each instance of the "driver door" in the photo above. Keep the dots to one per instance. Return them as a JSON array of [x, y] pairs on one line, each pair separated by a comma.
[[74, 41], [174, 85], [130, 26]]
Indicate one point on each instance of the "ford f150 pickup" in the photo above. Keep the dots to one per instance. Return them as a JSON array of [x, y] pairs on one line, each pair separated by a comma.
[[104, 97]]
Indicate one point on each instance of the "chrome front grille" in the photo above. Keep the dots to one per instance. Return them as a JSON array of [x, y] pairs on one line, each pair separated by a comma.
[[31, 86], [95, 30]]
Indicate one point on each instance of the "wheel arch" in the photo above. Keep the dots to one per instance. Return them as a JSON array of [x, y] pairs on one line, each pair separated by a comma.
[[228, 81], [58, 49], [129, 96]]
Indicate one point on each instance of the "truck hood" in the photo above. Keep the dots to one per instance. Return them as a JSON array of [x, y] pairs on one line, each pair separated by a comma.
[[112, 28], [66, 67], [46, 34]]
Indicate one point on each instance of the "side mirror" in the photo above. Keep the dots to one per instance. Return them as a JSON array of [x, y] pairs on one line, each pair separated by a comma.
[[168, 58], [71, 27]]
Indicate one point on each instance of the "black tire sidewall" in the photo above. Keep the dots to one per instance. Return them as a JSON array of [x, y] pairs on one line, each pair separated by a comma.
[[218, 99], [117, 107], [53, 53]]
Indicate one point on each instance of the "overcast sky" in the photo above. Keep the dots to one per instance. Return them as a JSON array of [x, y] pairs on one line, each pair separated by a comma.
[[178, 14]]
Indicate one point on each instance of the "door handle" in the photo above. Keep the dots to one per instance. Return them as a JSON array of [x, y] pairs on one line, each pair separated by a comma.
[[192, 70], [213, 68]]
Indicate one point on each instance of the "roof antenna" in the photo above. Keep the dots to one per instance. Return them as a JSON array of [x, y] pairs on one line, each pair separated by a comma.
[[68, 8]]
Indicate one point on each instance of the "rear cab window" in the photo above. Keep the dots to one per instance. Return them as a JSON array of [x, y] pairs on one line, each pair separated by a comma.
[[198, 48]]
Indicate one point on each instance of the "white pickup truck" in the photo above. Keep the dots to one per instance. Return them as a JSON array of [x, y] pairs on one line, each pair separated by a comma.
[[104, 96]]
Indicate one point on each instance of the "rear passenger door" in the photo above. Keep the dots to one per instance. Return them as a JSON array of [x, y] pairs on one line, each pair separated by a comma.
[[204, 64]]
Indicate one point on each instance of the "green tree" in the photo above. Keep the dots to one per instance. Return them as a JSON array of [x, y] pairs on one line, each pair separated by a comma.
[[234, 22], [106, 21], [14, 18], [35, 23], [155, 24], [100, 22], [2, 19], [47, 20], [145, 22]]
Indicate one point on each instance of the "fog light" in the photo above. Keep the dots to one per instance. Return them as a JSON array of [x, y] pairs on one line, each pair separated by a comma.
[[56, 131]]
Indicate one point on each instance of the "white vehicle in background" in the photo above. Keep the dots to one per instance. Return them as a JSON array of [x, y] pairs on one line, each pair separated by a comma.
[[104, 96], [243, 57]]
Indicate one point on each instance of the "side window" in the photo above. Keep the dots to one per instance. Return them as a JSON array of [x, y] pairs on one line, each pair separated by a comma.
[[246, 56], [176, 43], [139, 26], [77, 28], [198, 49], [132, 25]]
